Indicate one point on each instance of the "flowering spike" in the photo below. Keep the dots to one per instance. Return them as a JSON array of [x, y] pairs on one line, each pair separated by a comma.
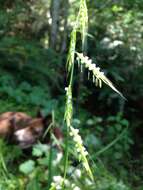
[[97, 73], [81, 150]]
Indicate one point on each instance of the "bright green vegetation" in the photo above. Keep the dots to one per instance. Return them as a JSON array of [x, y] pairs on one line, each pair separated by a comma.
[[57, 55]]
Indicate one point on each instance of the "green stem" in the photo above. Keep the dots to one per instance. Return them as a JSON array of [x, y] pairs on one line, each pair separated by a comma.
[[71, 77], [67, 134], [66, 157], [110, 144], [50, 167], [51, 156]]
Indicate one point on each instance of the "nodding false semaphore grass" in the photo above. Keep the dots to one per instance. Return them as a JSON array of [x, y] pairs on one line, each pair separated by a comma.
[[81, 25]]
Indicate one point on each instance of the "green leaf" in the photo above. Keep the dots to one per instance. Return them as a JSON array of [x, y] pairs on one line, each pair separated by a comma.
[[39, 150], [118, 127], [125, 122], [27, 167], [43, 161], [118, 155]]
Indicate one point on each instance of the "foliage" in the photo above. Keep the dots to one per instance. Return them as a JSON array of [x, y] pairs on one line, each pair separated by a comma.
[[33, 174], [24, 94], [111, 140], [119, 43], [32, 75]]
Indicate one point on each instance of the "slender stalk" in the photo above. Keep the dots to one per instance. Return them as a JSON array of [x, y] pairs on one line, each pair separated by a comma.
[[67, 134], [110, 144], [66, 157], [50, 168]]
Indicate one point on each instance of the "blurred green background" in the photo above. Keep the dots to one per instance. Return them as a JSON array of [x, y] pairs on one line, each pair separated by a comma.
[[34, 41]]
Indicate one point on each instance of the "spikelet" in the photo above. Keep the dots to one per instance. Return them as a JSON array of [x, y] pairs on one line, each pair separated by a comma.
[[98, 76], [82, 20], [81, 150], [71, 54], [69, 107]]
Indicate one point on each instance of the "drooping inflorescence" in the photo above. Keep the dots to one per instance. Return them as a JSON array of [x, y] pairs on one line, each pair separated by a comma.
[[98, 76]]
